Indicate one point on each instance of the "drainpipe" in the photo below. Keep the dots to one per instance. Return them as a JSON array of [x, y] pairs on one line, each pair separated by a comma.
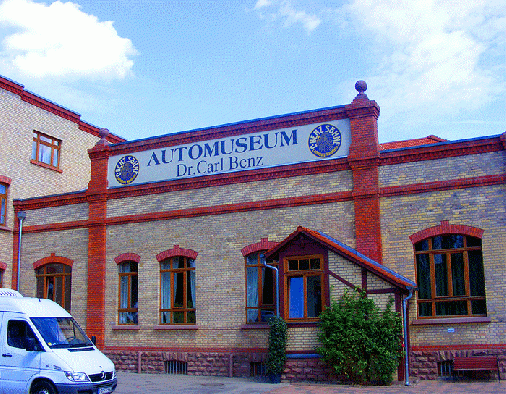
[[277, 285], [404, 308], [21, 217]]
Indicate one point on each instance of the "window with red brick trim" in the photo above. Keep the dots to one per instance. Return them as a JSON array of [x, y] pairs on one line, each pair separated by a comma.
[[450, 276], [260, 288], [3, 202], [177, 290], [54, 283], [128, 293], [304, 281], [46, 150]]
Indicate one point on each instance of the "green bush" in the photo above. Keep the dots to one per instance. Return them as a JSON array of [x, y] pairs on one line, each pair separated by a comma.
[[359, 341], [276, 357]]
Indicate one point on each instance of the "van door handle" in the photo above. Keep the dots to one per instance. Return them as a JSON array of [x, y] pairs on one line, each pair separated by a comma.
[[6, 355]]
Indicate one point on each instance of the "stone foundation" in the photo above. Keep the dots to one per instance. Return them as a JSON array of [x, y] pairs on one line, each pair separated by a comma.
[[424, 364], [218, 364]]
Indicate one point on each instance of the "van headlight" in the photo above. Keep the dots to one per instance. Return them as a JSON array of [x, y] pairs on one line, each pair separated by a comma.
[[77, 376]]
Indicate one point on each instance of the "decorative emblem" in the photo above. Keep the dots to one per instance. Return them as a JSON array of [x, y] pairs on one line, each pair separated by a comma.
[[324, 140], [126, 170]]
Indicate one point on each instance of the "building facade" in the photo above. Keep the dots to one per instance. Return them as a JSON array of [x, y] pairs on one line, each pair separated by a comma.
[[44, 152], [178, 245]]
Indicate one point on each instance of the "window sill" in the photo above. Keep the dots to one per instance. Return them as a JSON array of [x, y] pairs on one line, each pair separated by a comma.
[[5, 228], [49, 167], [451, 320], [294, 324], [255, 326], [175, 327], [126, 327]]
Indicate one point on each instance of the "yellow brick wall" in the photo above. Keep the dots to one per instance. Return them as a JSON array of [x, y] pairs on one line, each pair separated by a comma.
[[71, 244], [482, 207], [235, 193], [18, 120], [220, 274], [443, 169]]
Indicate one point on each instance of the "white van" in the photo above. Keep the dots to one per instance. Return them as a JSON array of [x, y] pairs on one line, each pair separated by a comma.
[[44, 351]]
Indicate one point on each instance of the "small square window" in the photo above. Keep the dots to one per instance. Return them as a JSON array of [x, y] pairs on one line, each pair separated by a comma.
[[46, 150]]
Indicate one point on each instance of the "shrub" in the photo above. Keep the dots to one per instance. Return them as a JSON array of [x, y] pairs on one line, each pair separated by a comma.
[[276, 357], [359, 341]]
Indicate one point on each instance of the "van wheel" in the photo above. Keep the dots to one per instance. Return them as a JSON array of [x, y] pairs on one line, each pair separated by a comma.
[[43, 387]]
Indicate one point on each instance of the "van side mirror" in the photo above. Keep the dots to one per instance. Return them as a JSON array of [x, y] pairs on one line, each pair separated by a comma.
[[94, 339]]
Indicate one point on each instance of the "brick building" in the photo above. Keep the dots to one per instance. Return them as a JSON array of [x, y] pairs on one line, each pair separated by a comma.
[[166, 249], [44, 151]]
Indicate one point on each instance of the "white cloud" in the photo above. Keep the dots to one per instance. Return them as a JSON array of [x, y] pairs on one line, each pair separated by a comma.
[[283, 10], [59, 40], [433, 52]]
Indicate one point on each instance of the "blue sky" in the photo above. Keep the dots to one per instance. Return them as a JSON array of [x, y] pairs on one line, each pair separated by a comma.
[[144, 68]]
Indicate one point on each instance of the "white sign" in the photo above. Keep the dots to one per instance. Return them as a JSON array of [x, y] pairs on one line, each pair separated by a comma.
[[320, 141]]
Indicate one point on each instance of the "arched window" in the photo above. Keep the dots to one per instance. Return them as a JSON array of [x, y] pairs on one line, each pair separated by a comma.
[[4, 189], [3, 202], [260, 288], [54, 278], [3, 267], [260, 282], [450, 274], [177, 286]]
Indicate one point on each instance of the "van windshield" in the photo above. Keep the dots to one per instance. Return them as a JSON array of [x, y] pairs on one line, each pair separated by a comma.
[[61, 332]]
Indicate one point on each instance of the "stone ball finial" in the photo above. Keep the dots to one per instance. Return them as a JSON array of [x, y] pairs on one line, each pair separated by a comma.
[[103, 133], [361, 87]]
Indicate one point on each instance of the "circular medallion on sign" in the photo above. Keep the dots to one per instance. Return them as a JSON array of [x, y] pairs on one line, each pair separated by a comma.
[[324, 140], [126, 170]]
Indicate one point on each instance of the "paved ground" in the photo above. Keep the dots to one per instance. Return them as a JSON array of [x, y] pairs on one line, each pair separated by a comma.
[[131, 383]]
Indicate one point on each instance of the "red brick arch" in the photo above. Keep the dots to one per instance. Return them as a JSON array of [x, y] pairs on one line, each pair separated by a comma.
[[127, 257], [446, 228], [3, 266], [52, 259], [264, 244], [176, 251]]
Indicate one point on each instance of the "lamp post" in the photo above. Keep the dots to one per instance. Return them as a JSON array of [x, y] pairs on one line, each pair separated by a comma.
[[21, 217]]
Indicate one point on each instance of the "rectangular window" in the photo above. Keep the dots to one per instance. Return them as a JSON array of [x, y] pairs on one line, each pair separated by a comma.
[[46, 150], [304, 282], [3, 202], [177, 291], [128, 293]]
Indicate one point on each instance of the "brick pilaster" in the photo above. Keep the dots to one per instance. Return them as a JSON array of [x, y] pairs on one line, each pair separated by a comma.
[[364, 161], [97, 200]]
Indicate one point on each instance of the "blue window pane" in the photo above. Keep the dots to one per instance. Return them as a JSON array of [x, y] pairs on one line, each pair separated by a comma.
[[296, 297]]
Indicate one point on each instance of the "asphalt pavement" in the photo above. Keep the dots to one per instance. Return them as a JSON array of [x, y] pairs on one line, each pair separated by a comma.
[[132, 383]]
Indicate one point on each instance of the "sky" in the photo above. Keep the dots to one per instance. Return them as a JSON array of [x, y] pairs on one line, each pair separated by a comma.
[[144, 68]]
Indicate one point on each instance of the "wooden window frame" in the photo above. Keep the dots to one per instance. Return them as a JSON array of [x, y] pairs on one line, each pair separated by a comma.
[[133, 310], [54, 145], [435, 299], [260, 290], [41, 273], [288, 273], [173, 310], [3, 204]]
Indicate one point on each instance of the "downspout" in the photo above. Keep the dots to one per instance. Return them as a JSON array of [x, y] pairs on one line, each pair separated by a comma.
[[405, 324], [21, 217], [277, 285]]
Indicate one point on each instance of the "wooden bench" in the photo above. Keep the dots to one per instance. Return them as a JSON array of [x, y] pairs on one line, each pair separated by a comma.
[[483, 363]]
